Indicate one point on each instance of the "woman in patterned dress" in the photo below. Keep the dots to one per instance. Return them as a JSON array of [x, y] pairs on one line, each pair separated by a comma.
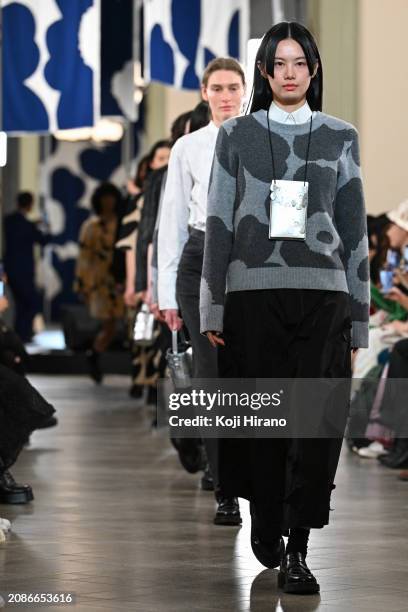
[[95, 280]]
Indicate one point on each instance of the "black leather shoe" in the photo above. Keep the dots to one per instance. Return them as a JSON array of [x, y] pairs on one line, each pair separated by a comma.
[[268, 553], [191, 454], [13, 493], [295, 577], [268, 549], [152, 396], [398, 457], [136, 391], [227, 512], [95, 371], [52, 421], [207, 482]]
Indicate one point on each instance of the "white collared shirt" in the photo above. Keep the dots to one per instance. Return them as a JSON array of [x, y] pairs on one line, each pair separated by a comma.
[[299, 116], [184, 204]]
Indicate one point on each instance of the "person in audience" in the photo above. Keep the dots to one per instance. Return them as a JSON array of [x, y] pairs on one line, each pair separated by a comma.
[[95, 281], [21, 235], [397, 231], [394, 411], [385, 232], [181, 241], [367, 436], [284, 308], [22, 410], [378, 244]]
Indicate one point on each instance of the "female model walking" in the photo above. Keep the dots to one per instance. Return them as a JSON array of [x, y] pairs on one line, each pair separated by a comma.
[[281, 295]]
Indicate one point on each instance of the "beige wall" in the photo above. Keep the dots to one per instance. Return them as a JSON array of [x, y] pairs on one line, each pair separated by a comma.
[[383, 101], [334, 24], [164, 104]]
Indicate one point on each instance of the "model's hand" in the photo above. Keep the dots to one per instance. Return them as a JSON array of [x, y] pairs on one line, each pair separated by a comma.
[[130, 297], [172, 319], [155, 310], [215, 338]]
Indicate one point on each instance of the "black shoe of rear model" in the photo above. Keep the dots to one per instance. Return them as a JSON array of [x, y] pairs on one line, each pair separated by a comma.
[[207, 481], [191, 454], [267, 544], [136, 391], [95, 371], [152, 396], [295, 577], [13, 493], [398, 457], [227, 512]]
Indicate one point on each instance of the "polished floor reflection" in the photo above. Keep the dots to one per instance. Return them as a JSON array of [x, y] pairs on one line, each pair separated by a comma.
[[117, 522]]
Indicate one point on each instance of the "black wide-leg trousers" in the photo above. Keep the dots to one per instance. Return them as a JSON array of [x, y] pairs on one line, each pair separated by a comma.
[[284, 333]]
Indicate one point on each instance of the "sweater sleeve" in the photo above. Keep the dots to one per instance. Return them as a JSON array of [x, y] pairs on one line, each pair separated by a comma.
[[219, 234], [351, 221]]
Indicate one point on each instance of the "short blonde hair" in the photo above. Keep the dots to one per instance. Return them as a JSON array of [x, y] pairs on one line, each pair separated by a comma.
[[222, 63]]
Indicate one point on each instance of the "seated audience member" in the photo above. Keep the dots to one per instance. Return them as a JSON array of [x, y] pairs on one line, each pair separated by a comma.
[[372, 404], [394, 411], [22, 410]]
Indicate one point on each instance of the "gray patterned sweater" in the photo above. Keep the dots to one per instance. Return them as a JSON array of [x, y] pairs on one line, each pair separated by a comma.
[[238, 253]]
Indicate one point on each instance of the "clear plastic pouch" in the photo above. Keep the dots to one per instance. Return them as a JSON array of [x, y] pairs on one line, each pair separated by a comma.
[[288, 210]]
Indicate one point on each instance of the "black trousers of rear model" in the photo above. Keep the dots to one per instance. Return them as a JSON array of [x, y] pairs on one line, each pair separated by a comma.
[[284, 333], [188, 296]]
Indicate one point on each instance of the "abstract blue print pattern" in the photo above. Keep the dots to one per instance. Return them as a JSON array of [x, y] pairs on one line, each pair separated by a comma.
[[51, 64], [182, 36]]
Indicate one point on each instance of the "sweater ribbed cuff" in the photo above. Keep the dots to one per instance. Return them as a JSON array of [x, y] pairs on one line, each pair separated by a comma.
[[359, 334], [212, 319]]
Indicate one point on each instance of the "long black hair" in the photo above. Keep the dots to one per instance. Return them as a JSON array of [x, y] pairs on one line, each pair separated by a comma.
[[262, 94], [200, 116]]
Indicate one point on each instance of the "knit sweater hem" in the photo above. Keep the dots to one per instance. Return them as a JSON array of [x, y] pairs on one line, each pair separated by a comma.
[[287, 278], [278, 278]]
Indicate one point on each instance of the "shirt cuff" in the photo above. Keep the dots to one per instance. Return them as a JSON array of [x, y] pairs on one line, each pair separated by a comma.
[[167, 294]]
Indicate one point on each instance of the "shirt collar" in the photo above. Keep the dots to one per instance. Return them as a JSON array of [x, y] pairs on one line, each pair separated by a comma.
[[212, 127], [301, 115]]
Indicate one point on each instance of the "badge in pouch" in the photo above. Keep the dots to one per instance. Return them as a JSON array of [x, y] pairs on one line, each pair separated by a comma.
[[289, 200], [288, 210]]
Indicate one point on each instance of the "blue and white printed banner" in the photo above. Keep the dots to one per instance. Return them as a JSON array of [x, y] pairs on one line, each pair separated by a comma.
[[117, 62], [51, 64], [182, 36]]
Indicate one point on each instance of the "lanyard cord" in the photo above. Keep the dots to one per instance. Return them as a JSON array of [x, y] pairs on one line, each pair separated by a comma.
[[271, 148]]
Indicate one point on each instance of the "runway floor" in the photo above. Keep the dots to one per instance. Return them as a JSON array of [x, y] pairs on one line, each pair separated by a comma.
[[118, 522]]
